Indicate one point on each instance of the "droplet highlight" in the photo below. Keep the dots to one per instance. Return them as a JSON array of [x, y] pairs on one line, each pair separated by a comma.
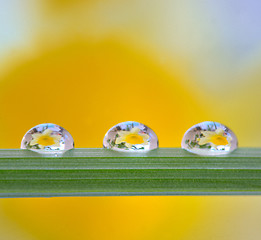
[[209, 138], [130, 137], [48, 138]]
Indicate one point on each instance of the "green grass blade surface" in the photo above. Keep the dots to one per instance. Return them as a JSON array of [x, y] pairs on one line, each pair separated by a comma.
[[101, 172]]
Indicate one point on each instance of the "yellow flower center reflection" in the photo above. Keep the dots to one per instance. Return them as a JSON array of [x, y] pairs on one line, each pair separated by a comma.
[[219, 140], [215, 138], [46, 141], [46, 138], [132, 137]]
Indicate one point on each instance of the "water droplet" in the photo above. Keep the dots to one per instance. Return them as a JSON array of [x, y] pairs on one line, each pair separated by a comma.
[[47, 138], [130, 136], [209, 138]]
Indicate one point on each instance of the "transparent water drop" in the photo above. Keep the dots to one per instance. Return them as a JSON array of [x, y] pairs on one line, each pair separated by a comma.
[[130, 136], [48, 138], [209, 138]]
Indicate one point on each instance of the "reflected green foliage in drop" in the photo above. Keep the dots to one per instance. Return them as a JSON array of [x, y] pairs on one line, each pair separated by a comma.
[[130, 136], [209, 138], [47, 138]]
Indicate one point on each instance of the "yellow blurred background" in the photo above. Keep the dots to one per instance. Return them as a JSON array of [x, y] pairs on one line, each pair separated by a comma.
[[88, 65]]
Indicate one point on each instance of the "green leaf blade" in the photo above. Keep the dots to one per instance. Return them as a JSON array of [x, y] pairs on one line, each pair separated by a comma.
[[101, 172]]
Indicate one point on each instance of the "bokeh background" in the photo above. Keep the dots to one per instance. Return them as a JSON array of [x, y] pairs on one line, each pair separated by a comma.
[[90, 64]]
